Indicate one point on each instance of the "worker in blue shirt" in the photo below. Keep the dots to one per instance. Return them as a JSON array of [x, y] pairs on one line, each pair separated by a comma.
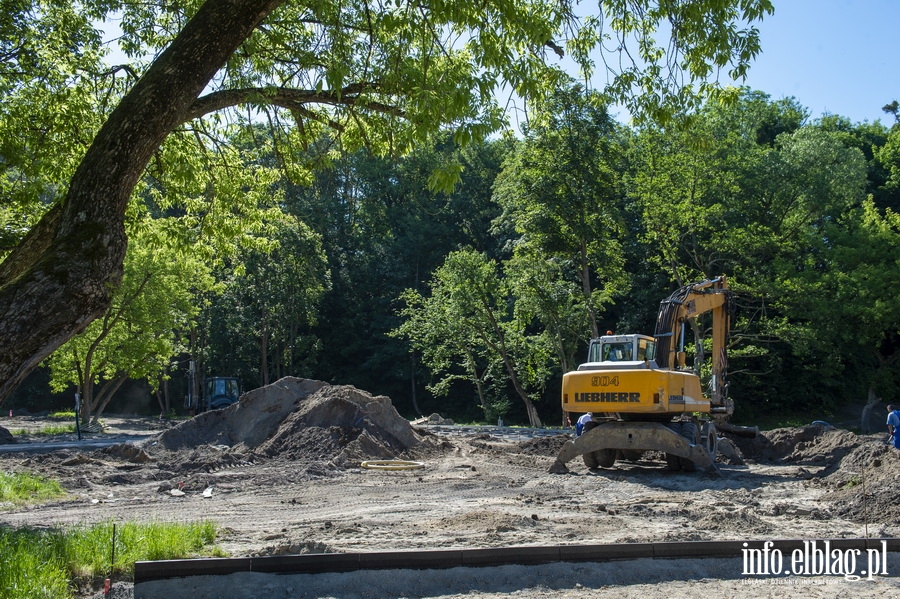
[[893, 423]]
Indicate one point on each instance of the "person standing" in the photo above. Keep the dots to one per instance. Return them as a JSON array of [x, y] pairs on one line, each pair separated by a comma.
[[579, 425], [893, 424]]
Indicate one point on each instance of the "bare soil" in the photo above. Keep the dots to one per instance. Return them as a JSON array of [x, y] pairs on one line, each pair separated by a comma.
[[280, 472]]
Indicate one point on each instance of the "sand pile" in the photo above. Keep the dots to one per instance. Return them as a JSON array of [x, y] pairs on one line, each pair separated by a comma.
[[294, 419]]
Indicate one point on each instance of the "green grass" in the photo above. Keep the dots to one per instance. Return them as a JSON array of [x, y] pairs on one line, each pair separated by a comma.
[[53, 429], [56, 429], [51, 563], [19, 488], [65, 414]]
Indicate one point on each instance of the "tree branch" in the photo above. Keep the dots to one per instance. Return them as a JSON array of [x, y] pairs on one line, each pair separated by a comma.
[[291, 99]]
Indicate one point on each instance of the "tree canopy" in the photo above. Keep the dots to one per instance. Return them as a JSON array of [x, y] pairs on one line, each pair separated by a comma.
[[386, 76]]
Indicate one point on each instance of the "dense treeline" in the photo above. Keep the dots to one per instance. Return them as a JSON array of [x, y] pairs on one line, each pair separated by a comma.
[[473, 302]]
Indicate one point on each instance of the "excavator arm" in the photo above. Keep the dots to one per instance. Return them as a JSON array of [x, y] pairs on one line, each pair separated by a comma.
[[710, 296]]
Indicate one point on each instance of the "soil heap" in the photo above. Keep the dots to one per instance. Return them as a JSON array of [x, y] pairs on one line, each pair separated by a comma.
[[859, 470], [811, 444], [293, 419], [6, 437]]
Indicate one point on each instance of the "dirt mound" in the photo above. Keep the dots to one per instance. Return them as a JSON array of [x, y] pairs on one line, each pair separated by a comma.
[[250, 421], [6, 437], [298, 548], [544, 446], [865, 488], [342, 420], [127, 452], [739, 521], [812, 444], [294, 419]]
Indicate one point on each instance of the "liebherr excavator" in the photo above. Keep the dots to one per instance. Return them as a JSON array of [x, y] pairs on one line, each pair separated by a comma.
[[642, 395]]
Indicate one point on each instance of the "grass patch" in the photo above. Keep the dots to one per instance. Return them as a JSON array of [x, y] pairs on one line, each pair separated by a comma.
[[70, 414], [52, 564], [853, 482], [19, 488], [53, 429]]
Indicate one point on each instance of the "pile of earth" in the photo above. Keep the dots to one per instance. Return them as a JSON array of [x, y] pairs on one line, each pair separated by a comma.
[[6, 437], [292, 419], [860, 471], [812, 444], [865, 484]]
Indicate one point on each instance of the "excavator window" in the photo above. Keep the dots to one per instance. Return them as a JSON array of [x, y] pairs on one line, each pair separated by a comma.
[[617, 352], [221, 386], [646, 350]]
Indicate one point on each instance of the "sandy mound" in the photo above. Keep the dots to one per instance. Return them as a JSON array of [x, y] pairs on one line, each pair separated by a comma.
[[292, 419], [739, 521]]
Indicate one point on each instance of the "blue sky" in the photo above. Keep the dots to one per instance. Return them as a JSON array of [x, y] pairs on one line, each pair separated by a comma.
[[834, 56]]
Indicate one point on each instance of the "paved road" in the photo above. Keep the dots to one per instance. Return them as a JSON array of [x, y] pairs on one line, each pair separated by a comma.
[[503, 432], [84, 444]]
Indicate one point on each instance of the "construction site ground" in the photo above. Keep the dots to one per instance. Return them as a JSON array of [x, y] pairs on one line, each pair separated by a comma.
[[280, 473]]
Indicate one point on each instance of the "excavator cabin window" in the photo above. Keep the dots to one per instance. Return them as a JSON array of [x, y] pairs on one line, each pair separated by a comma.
[[617, 352], [646, 350]]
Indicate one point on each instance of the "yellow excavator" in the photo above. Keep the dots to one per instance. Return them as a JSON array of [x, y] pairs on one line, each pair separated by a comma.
[[643, 397]]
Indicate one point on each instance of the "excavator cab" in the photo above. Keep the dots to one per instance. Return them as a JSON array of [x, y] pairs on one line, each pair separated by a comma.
[[622, 348]]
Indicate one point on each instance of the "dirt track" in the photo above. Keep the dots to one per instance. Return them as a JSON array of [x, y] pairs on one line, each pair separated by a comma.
[[297, 487]]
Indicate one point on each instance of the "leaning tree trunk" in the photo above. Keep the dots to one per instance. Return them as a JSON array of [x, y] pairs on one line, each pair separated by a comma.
[[62, 275], [533, 419]]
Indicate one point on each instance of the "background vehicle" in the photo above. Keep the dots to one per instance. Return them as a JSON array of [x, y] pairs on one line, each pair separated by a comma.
[[643, 395], [220, 392], [216, 392]]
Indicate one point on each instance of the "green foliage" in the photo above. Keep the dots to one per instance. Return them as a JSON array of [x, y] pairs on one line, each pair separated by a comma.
[[259, 327], [383, 231], [841, 302], [561, 193], [469, 324], [53, 90], [656, 80], [143, 328], [44, 563], [21, 487], [888, 156]]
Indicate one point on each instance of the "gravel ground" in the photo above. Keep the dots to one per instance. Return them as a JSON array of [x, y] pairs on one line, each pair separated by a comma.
[[282, 474]]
